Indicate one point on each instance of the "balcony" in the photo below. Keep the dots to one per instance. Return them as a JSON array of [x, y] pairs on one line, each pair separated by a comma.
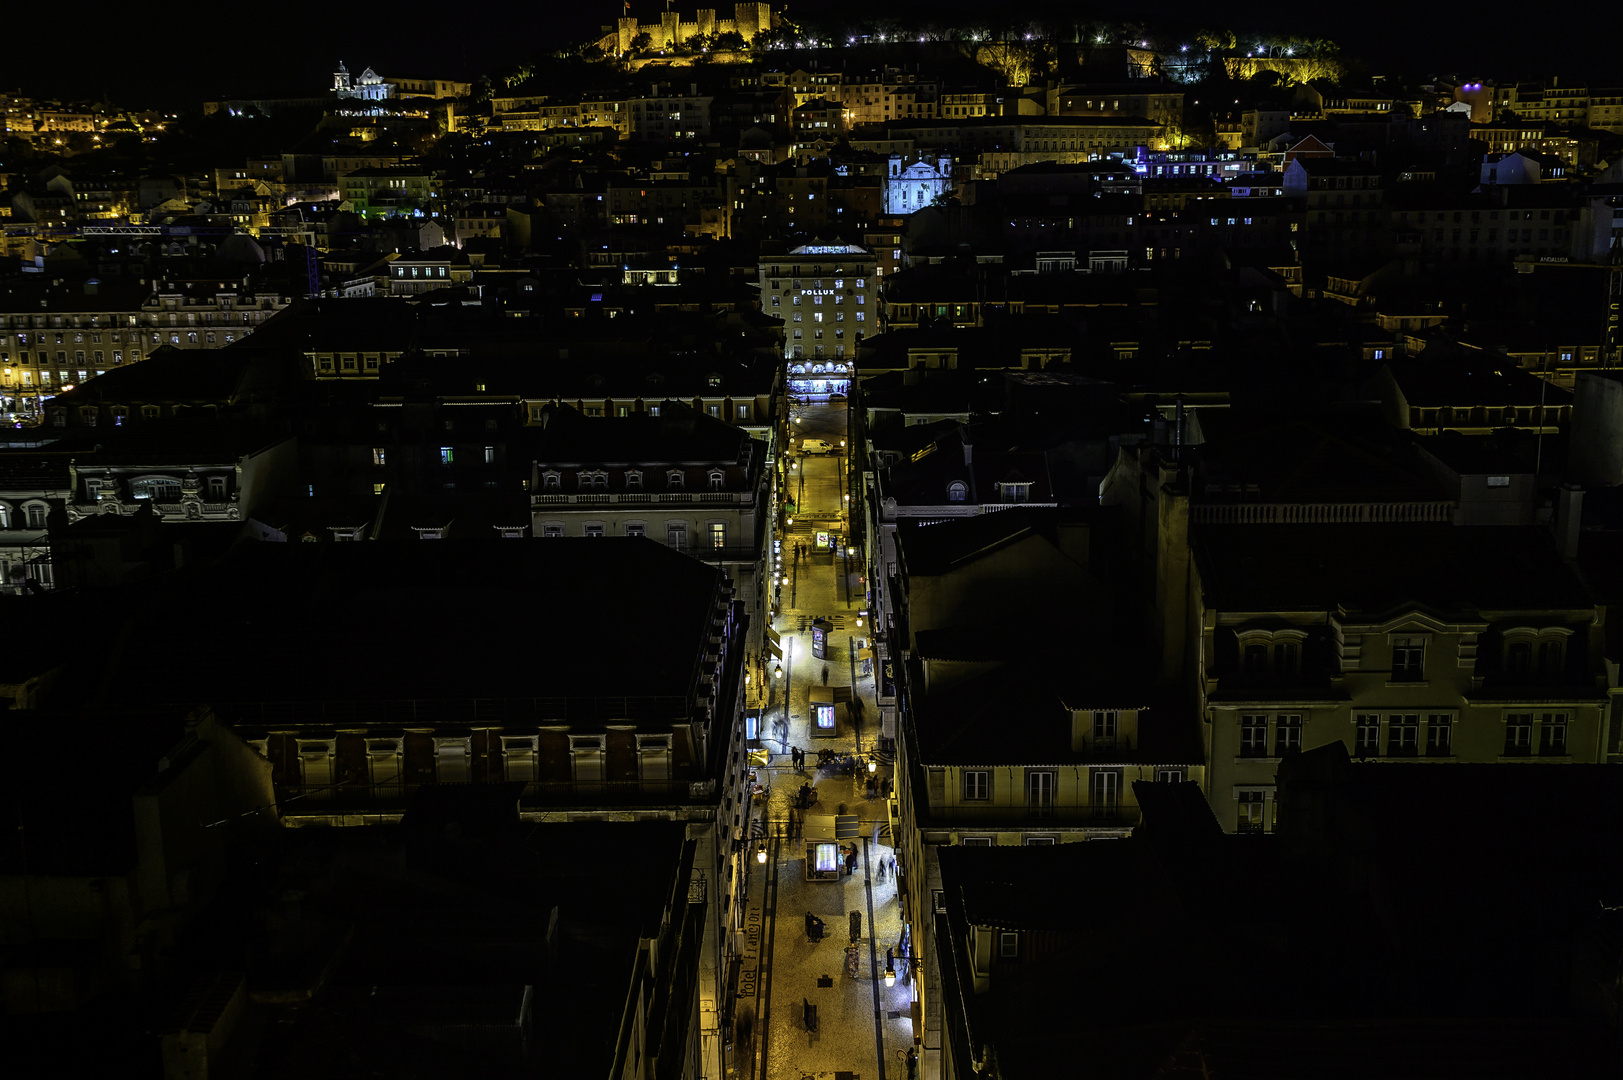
[[643, 498], [966, 817], [366, 798], [1320, 513]]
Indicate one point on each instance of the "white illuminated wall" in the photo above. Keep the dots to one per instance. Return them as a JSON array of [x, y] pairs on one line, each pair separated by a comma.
[[911, 186]]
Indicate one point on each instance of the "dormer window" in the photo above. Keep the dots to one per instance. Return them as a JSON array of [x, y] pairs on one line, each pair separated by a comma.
[[1542, 651], [551, 481], [1014, 491], [1275, 653], [674, 478], [957, 491], [594, 479], [1408, 659], [633, 480], [717, 479]]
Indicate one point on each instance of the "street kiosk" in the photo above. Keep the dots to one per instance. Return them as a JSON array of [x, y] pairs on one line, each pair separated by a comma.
[[830, 705], [830, 838]]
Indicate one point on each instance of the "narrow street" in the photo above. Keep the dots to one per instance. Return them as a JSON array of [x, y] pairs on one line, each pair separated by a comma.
[[862, 1027]]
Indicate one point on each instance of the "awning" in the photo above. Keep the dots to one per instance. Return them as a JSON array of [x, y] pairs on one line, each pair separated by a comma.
[[773, 649]]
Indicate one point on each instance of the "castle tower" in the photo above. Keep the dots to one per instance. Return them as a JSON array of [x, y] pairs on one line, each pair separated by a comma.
[[340, 79]]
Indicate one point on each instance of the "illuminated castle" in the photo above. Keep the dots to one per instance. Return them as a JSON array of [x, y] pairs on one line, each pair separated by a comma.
[[747, 21]]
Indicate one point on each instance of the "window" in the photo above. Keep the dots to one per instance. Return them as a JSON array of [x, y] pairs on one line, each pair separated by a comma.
[[977, 784], [519, 757], [157, 489], [635, 528], [653, 757], [1518, 734], [379, 456], [1552, 738], [1287, 657], [1287, 735], [1369, 734], [676, 536], [1170, 776], [594, 529], [586, 757], [1439, 735], [552, 529], [36, 515], [717, 479], [1408, 659], [976, 841], [1040, 792], [1104, 730], [1104, 789], [447, 455], [956, 491], [216, 488], [1008, 946], [743, 412], [1253, 736], [1252, 807], [1403, 735], [1254, 661], [674, 479], [1549, 657]]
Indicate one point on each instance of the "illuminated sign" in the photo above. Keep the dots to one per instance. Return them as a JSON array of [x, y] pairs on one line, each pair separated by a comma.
[[828, 249], [824, 715], [826, 857]]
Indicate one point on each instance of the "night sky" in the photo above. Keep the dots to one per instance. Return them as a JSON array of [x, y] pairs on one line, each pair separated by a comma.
[[180, 58]]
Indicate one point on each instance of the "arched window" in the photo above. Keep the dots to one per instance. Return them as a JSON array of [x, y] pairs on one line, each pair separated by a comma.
[[551, 481], [717, 479], [957, 491], [674, 478], [156, 488]]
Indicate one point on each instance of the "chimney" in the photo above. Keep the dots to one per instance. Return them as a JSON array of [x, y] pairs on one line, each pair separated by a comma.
[[1569, 512]]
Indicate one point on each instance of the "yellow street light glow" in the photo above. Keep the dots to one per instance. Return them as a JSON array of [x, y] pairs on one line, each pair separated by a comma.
[[760, 856]]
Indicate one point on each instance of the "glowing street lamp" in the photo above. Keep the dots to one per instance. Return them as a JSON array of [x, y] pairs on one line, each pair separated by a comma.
[[777, 672], [760, 856], [873, 766]]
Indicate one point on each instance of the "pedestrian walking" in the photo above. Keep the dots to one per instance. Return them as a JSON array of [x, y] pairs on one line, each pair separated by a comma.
[[825, 674]]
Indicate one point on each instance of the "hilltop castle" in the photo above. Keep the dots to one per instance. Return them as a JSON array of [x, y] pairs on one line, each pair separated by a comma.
[[671, 29]]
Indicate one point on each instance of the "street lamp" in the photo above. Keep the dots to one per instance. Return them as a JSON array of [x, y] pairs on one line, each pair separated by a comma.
[[777, 671], [873, 766], [760, 855]]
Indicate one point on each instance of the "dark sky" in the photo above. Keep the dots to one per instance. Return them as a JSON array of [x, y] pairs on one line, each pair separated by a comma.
[[180, 58]]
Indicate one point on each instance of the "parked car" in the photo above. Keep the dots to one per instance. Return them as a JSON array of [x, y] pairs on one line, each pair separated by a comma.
[[816, 446]]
